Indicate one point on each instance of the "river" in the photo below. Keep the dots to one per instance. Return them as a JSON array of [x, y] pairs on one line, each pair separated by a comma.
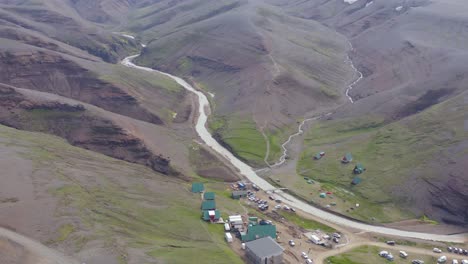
[[249, 173]]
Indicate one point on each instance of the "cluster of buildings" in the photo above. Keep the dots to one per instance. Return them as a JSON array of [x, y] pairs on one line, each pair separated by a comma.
[[208, 206], [258, 239]]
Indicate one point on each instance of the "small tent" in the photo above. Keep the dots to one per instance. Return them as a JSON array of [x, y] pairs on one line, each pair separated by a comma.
[[357, 180], [358, 169], [347, 158], [319, 155]]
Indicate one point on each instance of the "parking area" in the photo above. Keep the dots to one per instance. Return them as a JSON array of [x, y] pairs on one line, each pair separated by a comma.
[[301, 245]]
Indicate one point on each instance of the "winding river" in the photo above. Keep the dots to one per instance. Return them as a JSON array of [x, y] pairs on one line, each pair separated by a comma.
[[251, 175]]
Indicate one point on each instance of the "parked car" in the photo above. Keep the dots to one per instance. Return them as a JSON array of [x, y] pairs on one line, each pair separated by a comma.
[[336, 240], [464, 261], [442, 259], [291, 243], [309, 261], [277, 206], [417, 261], [391, 242], [450, 249], [437, 250], [383, 253], [286, 207], [403, 254], [292, 209], [454, 261], [336, 235], [304, 255]]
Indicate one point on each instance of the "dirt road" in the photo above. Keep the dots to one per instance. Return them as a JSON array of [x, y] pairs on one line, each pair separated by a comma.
[[41, 253], [249, 173], [320, 258]]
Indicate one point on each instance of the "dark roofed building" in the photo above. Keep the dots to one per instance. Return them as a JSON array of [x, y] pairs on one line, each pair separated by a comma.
[[211, 215], [258, 231], [264, 250], [209, 196], [208, 205], [198, 187], [239, 194]]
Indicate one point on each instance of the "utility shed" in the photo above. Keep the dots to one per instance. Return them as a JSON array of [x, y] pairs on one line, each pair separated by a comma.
[[239, 194], [208, 205], [258, 231], [209, 196], [264, 250], [198, 187]]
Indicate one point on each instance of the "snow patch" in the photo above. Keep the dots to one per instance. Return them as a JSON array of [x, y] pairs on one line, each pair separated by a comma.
[[369, 3], [399, 8], [350, 1]]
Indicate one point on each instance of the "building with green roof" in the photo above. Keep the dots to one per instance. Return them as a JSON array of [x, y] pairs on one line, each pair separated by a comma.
[[206, 215], [258, 231], [198, 187], [208, 205], [209, 196]]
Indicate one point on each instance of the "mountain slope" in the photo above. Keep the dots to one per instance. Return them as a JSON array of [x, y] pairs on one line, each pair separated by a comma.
[[407, 125], [263, 66], [99, 209]]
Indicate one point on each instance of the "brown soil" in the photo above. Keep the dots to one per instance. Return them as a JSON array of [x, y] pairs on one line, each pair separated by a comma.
[[75, 124], [51, 73]]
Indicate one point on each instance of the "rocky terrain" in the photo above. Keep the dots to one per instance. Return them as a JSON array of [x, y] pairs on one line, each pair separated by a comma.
[[97, 156]]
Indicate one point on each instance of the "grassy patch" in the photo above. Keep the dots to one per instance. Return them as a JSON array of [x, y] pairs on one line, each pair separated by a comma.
[[137, 78], [118, 201], [391, 152], [369, 255], [242, 136], [64, 232]]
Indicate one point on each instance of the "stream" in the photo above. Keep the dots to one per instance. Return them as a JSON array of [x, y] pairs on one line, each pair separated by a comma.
[[249, 173]]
